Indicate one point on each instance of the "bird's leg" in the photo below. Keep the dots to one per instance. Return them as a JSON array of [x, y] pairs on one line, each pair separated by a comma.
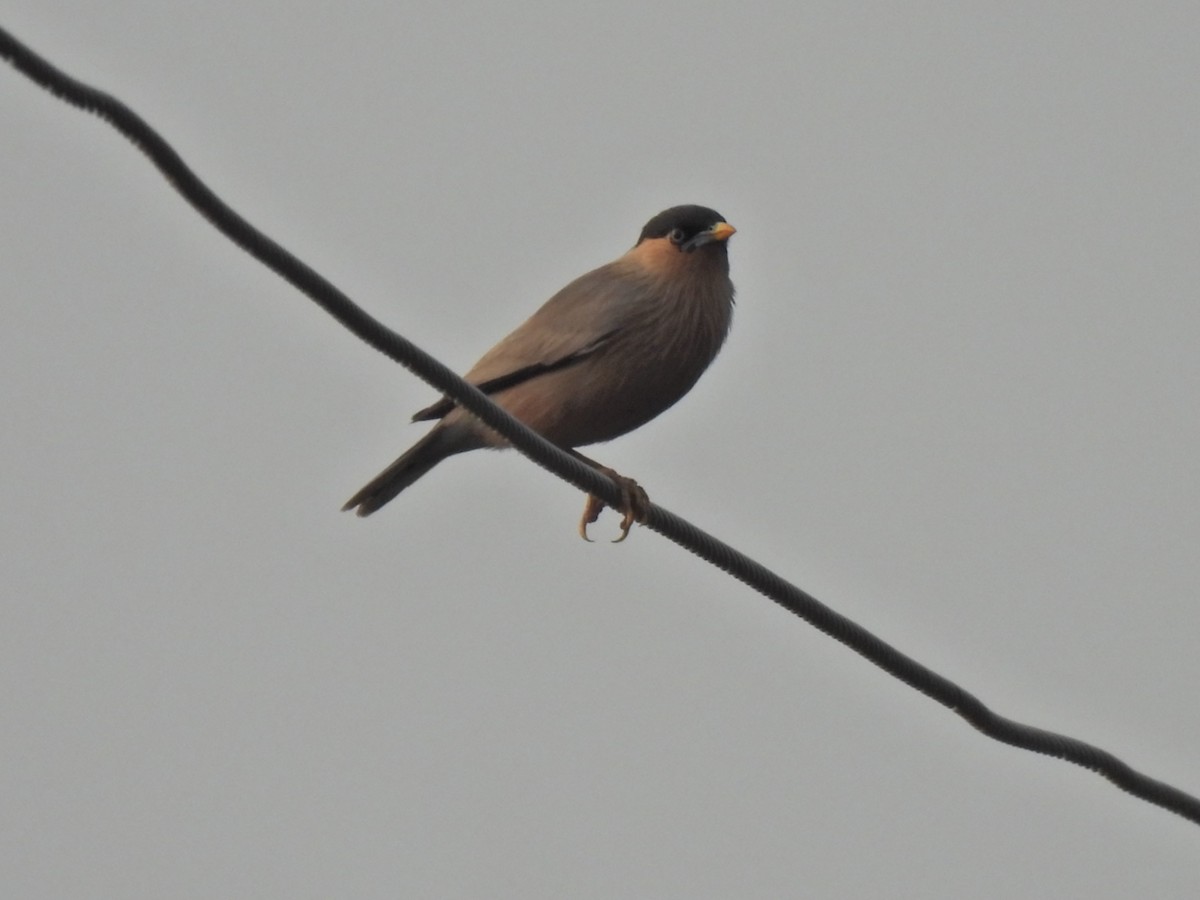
[[635, 503]]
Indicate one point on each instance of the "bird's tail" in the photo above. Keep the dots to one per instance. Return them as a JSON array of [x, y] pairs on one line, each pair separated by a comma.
[[416, 461]]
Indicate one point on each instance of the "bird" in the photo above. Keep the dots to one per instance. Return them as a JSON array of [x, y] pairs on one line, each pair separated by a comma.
[[603, 356]]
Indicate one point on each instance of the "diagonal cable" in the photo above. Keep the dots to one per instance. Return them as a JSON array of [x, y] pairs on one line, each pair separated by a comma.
[[567, 467]]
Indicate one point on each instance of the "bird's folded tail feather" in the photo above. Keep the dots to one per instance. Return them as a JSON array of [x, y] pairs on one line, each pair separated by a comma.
[[416, 461]]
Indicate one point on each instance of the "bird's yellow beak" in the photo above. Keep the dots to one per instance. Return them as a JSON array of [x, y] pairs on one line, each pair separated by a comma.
[[722, 231]]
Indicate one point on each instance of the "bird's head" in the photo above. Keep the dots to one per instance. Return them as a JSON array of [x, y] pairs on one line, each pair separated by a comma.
[[688, 228]]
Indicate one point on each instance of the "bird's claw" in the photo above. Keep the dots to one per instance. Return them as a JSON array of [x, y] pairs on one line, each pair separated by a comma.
[[635, 505]]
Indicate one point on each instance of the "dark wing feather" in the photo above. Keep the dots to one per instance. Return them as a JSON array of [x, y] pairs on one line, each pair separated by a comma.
[[525, 373], [575, 323]]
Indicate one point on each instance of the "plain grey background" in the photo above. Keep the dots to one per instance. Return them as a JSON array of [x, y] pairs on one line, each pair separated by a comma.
[[958, 404]]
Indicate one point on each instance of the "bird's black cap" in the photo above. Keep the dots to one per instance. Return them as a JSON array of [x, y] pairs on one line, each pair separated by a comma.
[[690, 219]]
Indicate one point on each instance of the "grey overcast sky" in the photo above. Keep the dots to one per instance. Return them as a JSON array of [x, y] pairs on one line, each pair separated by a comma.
[[959, 404]]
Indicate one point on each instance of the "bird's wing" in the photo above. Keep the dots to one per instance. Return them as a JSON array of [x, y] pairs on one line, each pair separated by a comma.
[[574, 324], [507, 380]]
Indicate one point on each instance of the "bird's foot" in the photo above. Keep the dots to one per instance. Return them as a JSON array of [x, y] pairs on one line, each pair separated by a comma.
[[635, 505]]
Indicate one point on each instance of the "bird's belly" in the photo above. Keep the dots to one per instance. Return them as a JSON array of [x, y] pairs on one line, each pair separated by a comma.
[[590, 403]]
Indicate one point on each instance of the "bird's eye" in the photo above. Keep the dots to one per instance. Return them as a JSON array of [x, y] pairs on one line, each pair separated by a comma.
[[677, 236]]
